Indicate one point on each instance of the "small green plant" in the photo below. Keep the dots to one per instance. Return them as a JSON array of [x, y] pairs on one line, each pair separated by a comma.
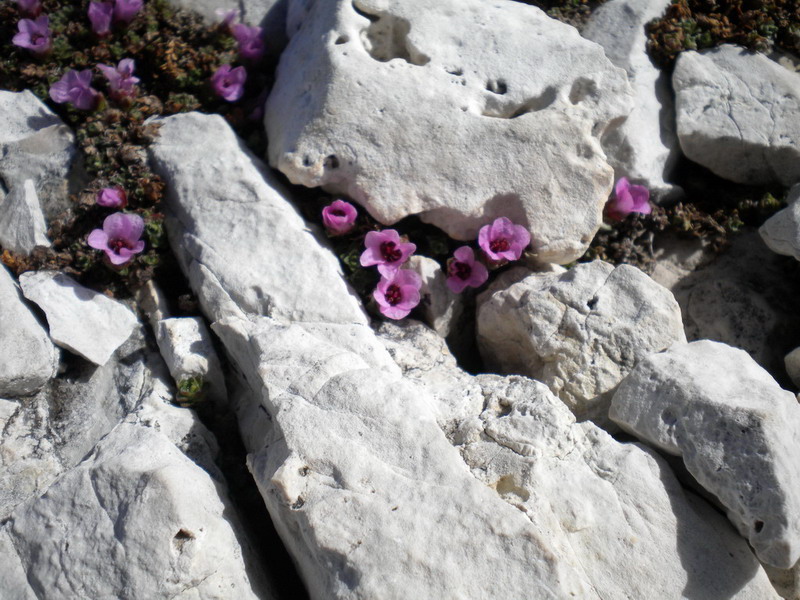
[[192, 391]]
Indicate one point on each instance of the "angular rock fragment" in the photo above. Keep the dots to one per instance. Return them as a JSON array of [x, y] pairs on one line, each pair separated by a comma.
[[22, 225], [243, 247], [81, 320], [22, 114], [736, 430], [579, 332], [792, 363], [29, 359], [737, 115], [460, 112], [781, 232], [645, 147], [440, 307]]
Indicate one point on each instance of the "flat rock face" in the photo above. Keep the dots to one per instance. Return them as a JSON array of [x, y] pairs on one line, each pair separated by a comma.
[[644, 148], [579, 332], [237, 238], [81, 320], [737, 115], [22, 225], [22, 115], [736, 430], [29, 358], [440, 307], [781, 232], [457, 111]]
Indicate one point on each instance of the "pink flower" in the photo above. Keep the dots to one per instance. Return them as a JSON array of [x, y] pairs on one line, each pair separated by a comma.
[[120, 78], [339, 217], [385, 249], [112, 197], [100, 14], [251, 44], [119, 237], [502, 240], [31, 8], [226, 16], [126, 10], [398, 293], [75, 87], [34, 35], [228, 83], [463, 271], [628, 199]]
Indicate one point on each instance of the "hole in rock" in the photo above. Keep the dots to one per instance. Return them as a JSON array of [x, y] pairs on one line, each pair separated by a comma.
[[298, 504], [386, 38], [512, 110], [181, 539], [592, 303], [497, 86], [758, 526], [455, 71], [331, 162], [669, 418], [342, 39], [307, 162], [581, 89], [507, 486]]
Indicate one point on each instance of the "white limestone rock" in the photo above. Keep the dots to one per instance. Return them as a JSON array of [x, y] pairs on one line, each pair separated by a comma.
[[737, 115], [645, 147], [579, 332], [186, 346], [81, 320], [736, 430], [460, 112], [244, 248], [22, 225], [781, 232], [22, 114], [29, 359], [440, 307], [792, 363]]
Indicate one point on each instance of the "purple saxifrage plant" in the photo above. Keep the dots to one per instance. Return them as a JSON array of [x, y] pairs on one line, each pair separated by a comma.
[[228, 83], [385, 249], [119, 237], [503, 240], [398, 293], [34, 35], [76, 88], [112, 197], [250, 39], [339, 217], [464, 271], [628, 198], [31, 8], [121, 81]]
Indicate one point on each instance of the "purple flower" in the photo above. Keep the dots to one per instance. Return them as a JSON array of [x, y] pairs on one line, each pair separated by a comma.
[[226, 16], [120, 78], [112, 197], [30, 7], [398, 293], [119, 237], [463, 271], [75, 87], [385, 249], [251, 44], [228, 83], [126, 10], [100, 14], [502, 240], [34, 35], [339, 217], [628, 199]]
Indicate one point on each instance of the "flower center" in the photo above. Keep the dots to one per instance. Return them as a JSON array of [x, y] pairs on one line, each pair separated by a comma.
[[393, 294], [117, 244], [336, 212], [499, 245], [461, 270], [390, 252]]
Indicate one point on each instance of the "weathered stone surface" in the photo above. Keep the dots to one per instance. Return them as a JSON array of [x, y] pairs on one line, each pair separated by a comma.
[[243, 247], [579, 332], [186, 346], [645, 147], [22, 225], [736, 430], [792, 363], [614, 509], [81, 320], [737, 114], [457, 111], [781, 232], [22, 115], [29, 359], [440, 307]]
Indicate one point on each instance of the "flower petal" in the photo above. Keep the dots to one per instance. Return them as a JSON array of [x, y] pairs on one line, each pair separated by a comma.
[[465, 254], [98, 239]]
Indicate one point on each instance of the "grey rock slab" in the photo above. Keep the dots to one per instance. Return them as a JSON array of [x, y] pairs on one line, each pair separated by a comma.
[[459, 112], [81, 320], [243, 246], [792, 363], [22, 225], [614, 509], [365, 490], [781, 232], [441, 308], [579, 332], [186, 346], [736, 430], [22, 114], [645, 147], [737, 115], [29, 358]]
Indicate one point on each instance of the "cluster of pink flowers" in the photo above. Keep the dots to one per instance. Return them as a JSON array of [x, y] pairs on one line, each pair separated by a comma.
[[76, 88], [397, 292], [120, 236], [228, 81], [628, 198], [105, 14]]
